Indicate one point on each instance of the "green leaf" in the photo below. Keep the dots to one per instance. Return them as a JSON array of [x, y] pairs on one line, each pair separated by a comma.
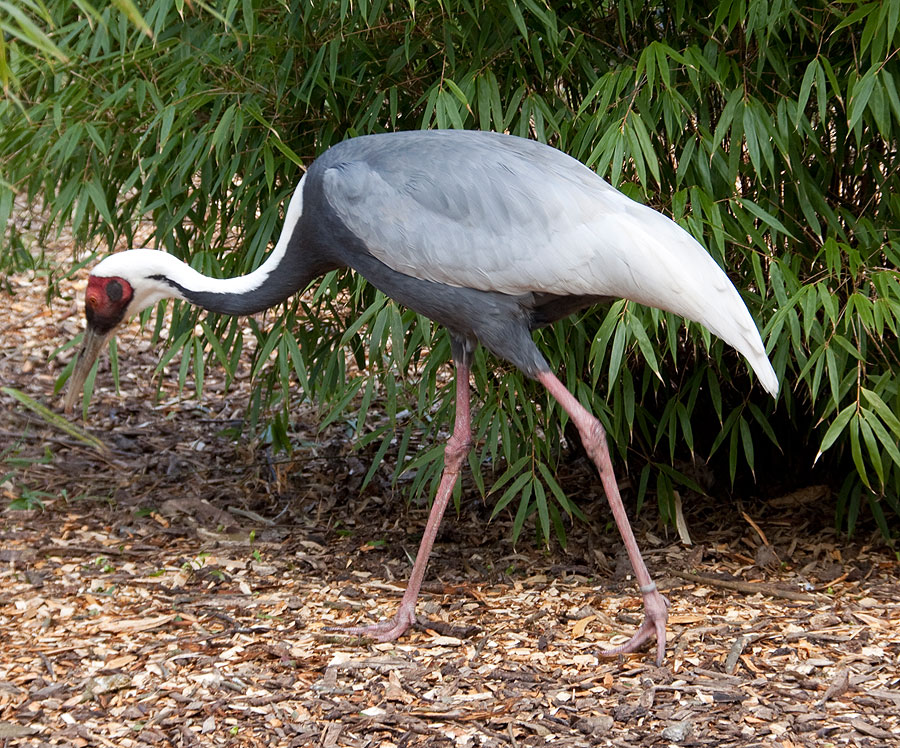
[[887, 441], [510, 493], [763, 215], [856, 450], [54, 420], [458, 93], [26, 30], [522, 512], [95, 192], [859, 97], [836, 428], [517, 17], [129, 9], [805, 88], [871, 445], [618, 347], [640, 334], [884, 412], [540, 499]]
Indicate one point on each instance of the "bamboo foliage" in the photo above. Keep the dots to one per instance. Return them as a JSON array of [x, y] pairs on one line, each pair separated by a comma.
[[768, 129]]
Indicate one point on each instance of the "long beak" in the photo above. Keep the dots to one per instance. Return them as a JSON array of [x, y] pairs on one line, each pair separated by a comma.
[[90, 350]]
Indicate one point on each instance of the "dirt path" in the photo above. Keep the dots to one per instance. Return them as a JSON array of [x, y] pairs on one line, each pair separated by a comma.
[[179, 592]]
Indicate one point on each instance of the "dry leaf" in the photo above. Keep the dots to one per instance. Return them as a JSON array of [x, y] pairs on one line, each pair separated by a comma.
[[580, 625]]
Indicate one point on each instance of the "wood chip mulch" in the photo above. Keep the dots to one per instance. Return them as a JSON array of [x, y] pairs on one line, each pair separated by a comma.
[[182, 590]]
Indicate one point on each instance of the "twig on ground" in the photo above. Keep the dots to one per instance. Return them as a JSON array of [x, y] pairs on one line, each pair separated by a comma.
[[747, 587]]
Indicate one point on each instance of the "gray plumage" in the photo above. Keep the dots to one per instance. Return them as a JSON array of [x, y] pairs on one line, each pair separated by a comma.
[[490, 235]]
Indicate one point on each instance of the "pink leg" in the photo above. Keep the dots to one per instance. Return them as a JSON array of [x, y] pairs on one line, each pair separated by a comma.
[[594, 439], [455, 452]]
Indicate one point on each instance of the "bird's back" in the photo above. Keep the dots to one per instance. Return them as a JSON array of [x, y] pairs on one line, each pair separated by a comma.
[[466, 208], [503, 214]]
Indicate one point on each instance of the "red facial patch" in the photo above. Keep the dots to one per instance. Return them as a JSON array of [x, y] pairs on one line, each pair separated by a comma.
[[106, 300]]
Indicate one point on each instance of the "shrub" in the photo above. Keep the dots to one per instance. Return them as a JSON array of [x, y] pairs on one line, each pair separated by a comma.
[[768, 129]]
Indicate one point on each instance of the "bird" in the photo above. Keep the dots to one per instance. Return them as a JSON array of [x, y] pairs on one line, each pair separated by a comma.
[[488, 234]]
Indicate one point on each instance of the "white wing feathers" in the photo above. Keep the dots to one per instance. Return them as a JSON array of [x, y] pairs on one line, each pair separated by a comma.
[[516, 221]]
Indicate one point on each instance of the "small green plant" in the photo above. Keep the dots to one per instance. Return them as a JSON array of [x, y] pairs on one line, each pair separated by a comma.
[[29, 499], [104, 565], [198, 562]]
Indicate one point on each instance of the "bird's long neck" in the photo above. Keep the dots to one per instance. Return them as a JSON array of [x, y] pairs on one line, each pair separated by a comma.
[[281, 275]]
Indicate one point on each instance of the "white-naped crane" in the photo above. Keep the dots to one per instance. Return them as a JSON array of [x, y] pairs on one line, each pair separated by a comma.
[[492, 236]]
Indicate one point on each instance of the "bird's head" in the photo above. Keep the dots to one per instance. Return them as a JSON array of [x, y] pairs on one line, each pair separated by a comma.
[[119, 287]]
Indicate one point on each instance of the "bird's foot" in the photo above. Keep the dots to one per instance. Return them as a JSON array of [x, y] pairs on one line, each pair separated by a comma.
[[384, 631], [656, 612]]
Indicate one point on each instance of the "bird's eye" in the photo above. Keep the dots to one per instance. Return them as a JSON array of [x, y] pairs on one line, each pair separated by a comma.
[[114, 291]]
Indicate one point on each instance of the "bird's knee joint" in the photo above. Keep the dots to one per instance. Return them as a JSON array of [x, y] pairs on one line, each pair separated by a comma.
[[456, 450], [593, 436]]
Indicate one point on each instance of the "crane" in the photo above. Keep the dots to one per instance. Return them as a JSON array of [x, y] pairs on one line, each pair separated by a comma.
[[488, 234]]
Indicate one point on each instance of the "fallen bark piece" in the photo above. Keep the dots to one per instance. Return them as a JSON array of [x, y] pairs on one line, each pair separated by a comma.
[[748, 587]]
